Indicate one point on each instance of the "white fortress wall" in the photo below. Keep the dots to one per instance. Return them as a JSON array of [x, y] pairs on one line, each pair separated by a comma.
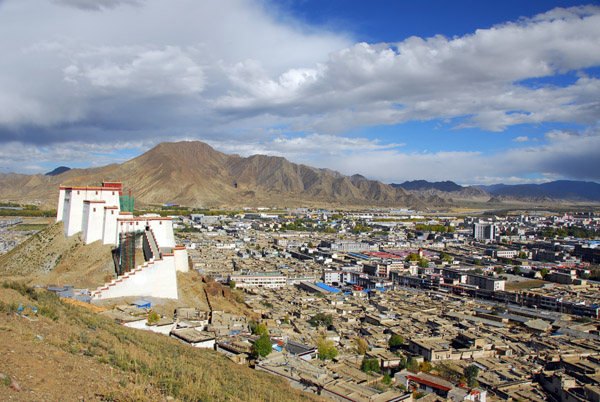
[[153, 279], [110, 225], [163, 231], [61, 204], [181, 259], [93, 221]]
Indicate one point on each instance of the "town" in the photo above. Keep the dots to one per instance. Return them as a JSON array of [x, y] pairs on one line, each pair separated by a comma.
[[389, 305]]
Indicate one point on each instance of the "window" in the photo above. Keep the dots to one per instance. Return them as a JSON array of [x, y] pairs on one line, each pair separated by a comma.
[[112, 212], [94, 209], [113, 193], [77, 192], [96, 193]]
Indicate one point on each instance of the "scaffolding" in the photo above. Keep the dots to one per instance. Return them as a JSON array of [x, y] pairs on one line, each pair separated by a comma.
[[126, 203], [126, 251]]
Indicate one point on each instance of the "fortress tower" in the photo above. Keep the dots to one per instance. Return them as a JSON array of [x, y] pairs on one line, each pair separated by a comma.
[[104, 214]]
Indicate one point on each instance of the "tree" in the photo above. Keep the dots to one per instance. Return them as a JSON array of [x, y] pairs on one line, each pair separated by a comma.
[[326, 349], [262, 347], [232, 284], [445, 257], [412, 257], [517, 270], [310, 245], [360, 346], [477, 262], [425, 366], [499, 270], [423, 263], [153, 317], [370, 365], [544, 272], [471, 372], [396, 341], [523, 255], [261, 329], [321, 319], [286, 319], [411, 364]]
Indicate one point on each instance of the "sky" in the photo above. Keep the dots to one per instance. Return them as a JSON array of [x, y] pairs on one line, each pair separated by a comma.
[[477, 92]]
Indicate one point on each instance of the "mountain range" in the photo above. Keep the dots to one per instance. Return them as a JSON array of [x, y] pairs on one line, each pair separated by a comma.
[[196, 175]]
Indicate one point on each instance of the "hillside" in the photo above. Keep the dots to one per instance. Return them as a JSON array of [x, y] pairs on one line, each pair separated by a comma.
[[446, 190], [67, 353], [194, 174], [49, 258], [556, 190]]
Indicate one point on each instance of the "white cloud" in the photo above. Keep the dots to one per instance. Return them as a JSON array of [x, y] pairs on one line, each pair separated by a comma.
[[79, 74], [97, 5]]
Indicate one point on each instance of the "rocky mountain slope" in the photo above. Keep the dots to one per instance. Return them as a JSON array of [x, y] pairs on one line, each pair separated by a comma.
[[194, 174], [447, 190]]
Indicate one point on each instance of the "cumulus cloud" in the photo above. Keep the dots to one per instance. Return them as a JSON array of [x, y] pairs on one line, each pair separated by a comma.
[[97, 5], [106, 72]]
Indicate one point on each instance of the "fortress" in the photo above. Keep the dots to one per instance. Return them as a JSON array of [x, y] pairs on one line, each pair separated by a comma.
[[105, 214]]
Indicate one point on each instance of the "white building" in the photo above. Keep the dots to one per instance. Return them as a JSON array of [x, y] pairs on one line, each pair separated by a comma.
[[482, 231], [271, 280], [96, 213]]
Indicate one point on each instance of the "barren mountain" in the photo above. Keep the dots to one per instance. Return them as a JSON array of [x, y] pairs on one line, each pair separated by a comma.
[[446, 190], [194, 174]]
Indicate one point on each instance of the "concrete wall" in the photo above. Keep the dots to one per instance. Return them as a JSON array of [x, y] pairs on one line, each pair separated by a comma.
[[110, 225], [61, 204], [163, 231], [181, 259], [153, 279], [93, 221]]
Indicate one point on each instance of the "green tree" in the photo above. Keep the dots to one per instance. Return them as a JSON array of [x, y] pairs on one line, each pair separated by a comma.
[[471, 372], [396, 341], [499, 270], [286, 319], [423, 263], [232, 284], [412, 257], [153, 317], [262, 347], [411, 364], [370, 365], [310, 245], [321, 319], [544, 272], [523, 255], [517, 270], [425, 366], [477, 262], [445, 257], [326, 349], [387, 380], [360, 346], [261, 329]]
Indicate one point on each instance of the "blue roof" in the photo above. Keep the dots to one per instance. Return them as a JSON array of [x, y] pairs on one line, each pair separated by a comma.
[[142, 303], [327, 287]]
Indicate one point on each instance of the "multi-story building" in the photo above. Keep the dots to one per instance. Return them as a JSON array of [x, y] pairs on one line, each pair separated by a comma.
[[484, 231], [271, 280]]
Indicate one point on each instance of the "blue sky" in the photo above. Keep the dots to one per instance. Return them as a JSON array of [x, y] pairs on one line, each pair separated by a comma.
[[478, 92]]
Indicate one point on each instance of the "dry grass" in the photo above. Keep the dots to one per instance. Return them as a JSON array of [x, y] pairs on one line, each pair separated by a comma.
[[150, 366]]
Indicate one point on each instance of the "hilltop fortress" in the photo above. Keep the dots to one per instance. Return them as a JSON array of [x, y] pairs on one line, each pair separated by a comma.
[[105, 214]]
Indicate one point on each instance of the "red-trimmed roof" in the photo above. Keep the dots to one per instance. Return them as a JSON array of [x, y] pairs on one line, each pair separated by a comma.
[[430, 383]]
